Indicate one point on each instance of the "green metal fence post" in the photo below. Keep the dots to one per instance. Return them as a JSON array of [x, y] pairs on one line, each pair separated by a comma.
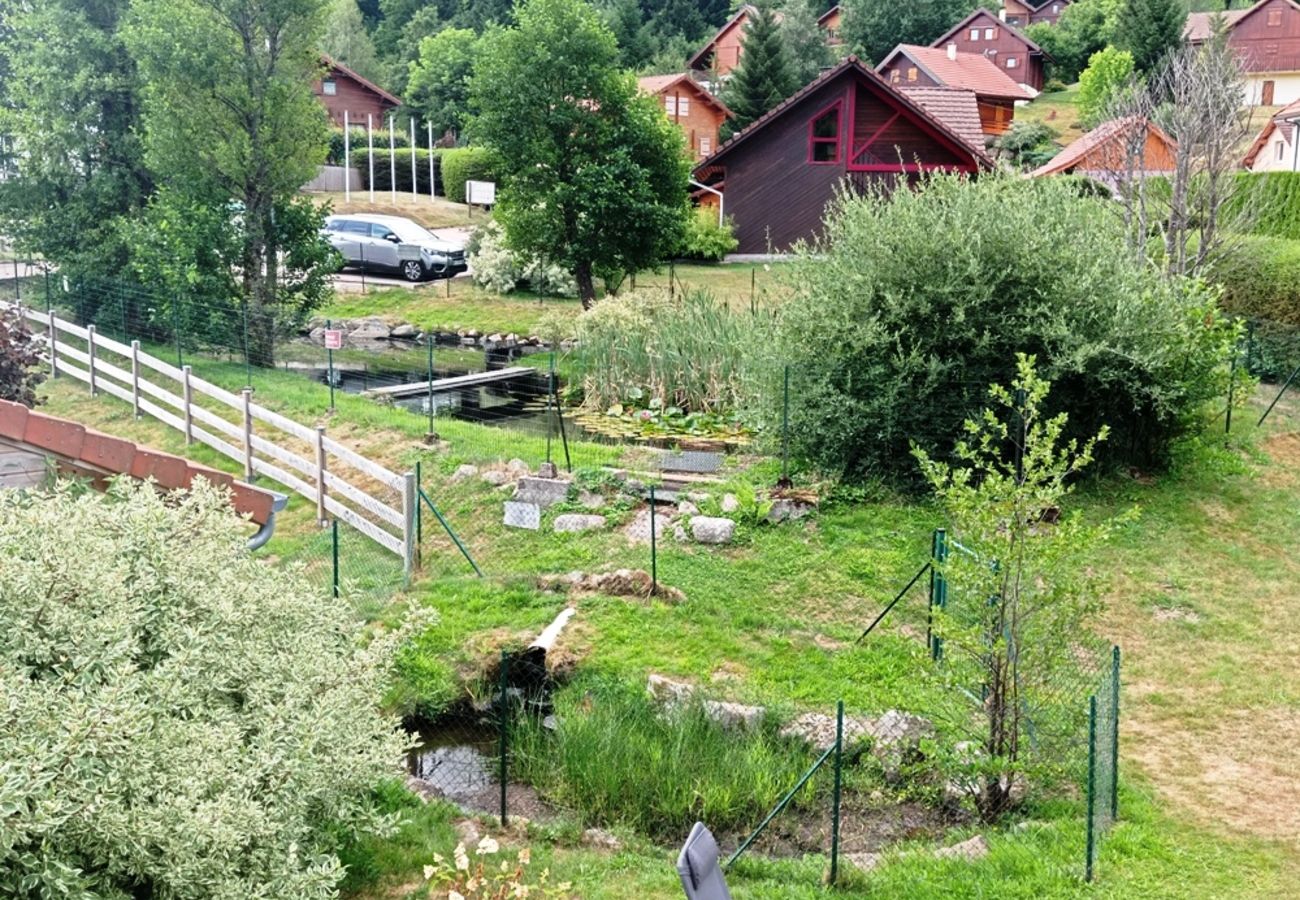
[[1092, 786], [428, 338], [176, 331], [654, 550], [248, 365], [938, 589], [785, 430], [550, 396], [334, 543], [1114, 736], [835, 797], [503, 725]]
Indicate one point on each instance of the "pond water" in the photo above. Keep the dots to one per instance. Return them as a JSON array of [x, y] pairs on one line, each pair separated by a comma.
[[459, 761]]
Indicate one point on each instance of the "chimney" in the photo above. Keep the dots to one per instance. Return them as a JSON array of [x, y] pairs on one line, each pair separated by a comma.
[[952, 50]]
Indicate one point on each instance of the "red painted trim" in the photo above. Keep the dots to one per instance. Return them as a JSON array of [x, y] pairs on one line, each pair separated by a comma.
[[871, 140], [914, 167], [921, 119], [838, 106]]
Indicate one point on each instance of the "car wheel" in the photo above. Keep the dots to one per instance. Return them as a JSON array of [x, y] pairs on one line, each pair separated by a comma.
[[413, 270]]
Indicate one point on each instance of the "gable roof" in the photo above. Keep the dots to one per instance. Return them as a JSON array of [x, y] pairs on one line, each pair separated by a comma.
[[1011, 30], [1198, 27], [697, 61], [657, 84], [969, 71], [821, 20], [954, 107], [1103, 134], [849, 63], [336, 66], [1286, 119]]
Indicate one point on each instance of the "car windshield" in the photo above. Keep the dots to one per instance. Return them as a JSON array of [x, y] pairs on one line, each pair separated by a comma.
[[410, 232]]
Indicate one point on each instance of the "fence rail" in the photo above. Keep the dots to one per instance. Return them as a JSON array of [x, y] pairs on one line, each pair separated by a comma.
[[384, 512]]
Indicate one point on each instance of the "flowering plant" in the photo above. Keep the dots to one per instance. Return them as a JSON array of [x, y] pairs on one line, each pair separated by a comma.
[[464, 878]]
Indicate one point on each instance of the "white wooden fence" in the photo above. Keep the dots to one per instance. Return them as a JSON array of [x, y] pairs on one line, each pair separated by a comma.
[[381, 504]]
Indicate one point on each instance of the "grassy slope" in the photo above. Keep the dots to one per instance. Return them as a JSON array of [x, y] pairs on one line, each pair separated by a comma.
[[436, 212], [1210, 709], [1058, 110]]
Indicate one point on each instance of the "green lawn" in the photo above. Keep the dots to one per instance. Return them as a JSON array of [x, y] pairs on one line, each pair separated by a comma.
[[1058, 110], [431, 212]]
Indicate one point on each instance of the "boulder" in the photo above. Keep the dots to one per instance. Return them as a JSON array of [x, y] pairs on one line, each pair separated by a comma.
[[818, 730], [544, 492], [784, 510], [496, 477], [969, 850], [667, 691], [729, 503], [697, 497], [371, 329], [405, 331], [518, 468], [600, 840], [548, 470], [687, 508], [590, 500], [576, 522], [735, 716], [710, 530], [638, 530], [464, 472], [896, 740], [522, 515]]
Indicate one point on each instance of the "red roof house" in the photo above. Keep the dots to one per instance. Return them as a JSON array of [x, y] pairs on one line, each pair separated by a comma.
[[1029, 12], [698, 113], [1003, 44], [909, 65], [1105, 151], [848, 129], [340, 89], [722, 52], [1276, 149], [1267, 37]]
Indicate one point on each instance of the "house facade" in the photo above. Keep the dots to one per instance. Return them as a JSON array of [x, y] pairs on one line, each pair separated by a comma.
[[1025, 12], [1113, 149], [691, 108], [341, 90], [723, 51], [1002, 43], [1276, 148], [1267, 37], [910, 66], [847, 129], [830, 22]]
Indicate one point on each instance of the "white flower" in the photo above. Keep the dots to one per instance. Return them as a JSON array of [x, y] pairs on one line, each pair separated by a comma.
[[429, 872], [455, 895], [487, 845], [462, 860]]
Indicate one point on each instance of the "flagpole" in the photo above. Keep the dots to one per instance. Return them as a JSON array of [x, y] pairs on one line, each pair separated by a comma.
[[431, 179], [370, 144], [347, 165], [392, 161], [415, 185]]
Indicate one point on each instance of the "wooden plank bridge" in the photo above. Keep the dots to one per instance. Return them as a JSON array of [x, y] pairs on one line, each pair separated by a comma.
[[454, 383]]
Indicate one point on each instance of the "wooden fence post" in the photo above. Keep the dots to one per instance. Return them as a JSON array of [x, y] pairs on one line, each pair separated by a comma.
[[410, 498], [90, 356], [187, 398], [54, 348], [248, 434], [135, 378], [320, 474]]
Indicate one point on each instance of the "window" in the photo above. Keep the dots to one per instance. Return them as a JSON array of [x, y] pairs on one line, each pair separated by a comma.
[[1011, 62], [911, 73], [824, 136], [706, 146], [1056, 8], [990, 33], [380, 231], [354, 227], [1275, 17], [329, 88], [683, 106], [1270, 49], [974, 34], [895, 76], [670, 104], [1279, 149]]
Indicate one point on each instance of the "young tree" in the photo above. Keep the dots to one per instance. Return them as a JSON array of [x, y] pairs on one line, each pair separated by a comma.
[[805, 42], [232, 127], [1021, 595], [874, 27], [764, 76], [1108, 76], [19, 360], [1151, 30], [595, 175], [346, 40], [437, 89], [181, 718], [1084, 28]]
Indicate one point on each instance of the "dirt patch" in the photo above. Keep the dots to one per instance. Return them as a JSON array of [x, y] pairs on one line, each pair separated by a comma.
[[1283, 449], [1177, 614]]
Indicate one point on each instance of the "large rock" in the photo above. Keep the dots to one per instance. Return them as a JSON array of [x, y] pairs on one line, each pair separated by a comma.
[[730, 504], [575, 522], [542, 491], [464, 472], [687, 508], [371, 329], [818, 730], [969, 850], [710, 530], [734, 716], [667, 691], [638, 530], [784, 510], [404, 331], [496, 477], [599, 839], [896, 740], [522, 515]]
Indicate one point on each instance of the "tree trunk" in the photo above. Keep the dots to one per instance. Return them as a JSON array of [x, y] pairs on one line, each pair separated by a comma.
[[586, 284]]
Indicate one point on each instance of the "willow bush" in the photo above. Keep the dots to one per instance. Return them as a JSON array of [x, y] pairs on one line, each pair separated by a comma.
[[916, 300]]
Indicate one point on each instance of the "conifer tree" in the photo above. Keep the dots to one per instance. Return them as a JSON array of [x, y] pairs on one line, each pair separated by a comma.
[[1149, 29], [764, 77]]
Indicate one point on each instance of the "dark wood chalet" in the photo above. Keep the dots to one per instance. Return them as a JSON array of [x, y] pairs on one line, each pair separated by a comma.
[[1005, 45], [909, 66], [1267, 38], [846, 129], [1031, 12], [341, 90]]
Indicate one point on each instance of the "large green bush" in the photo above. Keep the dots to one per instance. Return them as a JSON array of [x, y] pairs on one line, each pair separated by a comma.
[[918, 300], [1260, 277], [707, 238], [468, 164], [1267, 203], [384, 169], [181, 719], [358, 143]]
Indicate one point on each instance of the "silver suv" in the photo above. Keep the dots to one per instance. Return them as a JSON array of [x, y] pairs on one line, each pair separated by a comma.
[[393, 244]]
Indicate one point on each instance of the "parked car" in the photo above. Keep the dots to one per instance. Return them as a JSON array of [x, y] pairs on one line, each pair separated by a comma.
[[393, 244]]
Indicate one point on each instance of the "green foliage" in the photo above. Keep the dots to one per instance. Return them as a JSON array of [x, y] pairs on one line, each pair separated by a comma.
[[1083, 29], [1021, 596], [1150, 29], [1260, 277], [659, 35], [765, 76], [401, 164], [706, 238], [874, 27], [595, 174], [346, 40], [180, 715], [469, 164], [358, 142], [1267, 203], [615, 758], [917, 299], [437, 88], [1109, 73], [1054, 86], [20, 355], [804, 41], [1028, 144]]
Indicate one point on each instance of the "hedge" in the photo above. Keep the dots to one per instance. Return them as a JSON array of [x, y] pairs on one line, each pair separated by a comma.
[[358, 144], [383, 169], [1261, 283], [468, 164], [1272, 203]]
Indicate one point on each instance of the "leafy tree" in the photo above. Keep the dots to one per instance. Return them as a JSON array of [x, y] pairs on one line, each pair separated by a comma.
[[805, 42], [20, 357], [764, 76], [1084, 28], [1028, 144], [72, 106], [1109, 73], [874, 27], [1150, 29], [346, 40], [182, 720], [594, 174], [437, 89], [233, 128], [918, 298]]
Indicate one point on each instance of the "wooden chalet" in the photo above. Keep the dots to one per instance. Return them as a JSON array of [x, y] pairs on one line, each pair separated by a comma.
[[1002, 43], [1026, 12], [340, 89], [1267, 37], [909, 65], [848, 129], [722, 53], [830, 22], [688, 105], [1105, 152], [1276, 148]]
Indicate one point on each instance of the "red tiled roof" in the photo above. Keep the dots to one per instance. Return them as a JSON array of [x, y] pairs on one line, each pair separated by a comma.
[[955, 108], [1075, 153], [657, 84], [1285, 118], [1011, 30], [83, 449], [1199, 24], [969, 71]]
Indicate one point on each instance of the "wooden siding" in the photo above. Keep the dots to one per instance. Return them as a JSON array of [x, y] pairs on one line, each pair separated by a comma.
[[702, 121], [727, 47], [1265, 47], [1005, 45], [996, 116], [1021, 14], [354, 97], [896, 74]]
